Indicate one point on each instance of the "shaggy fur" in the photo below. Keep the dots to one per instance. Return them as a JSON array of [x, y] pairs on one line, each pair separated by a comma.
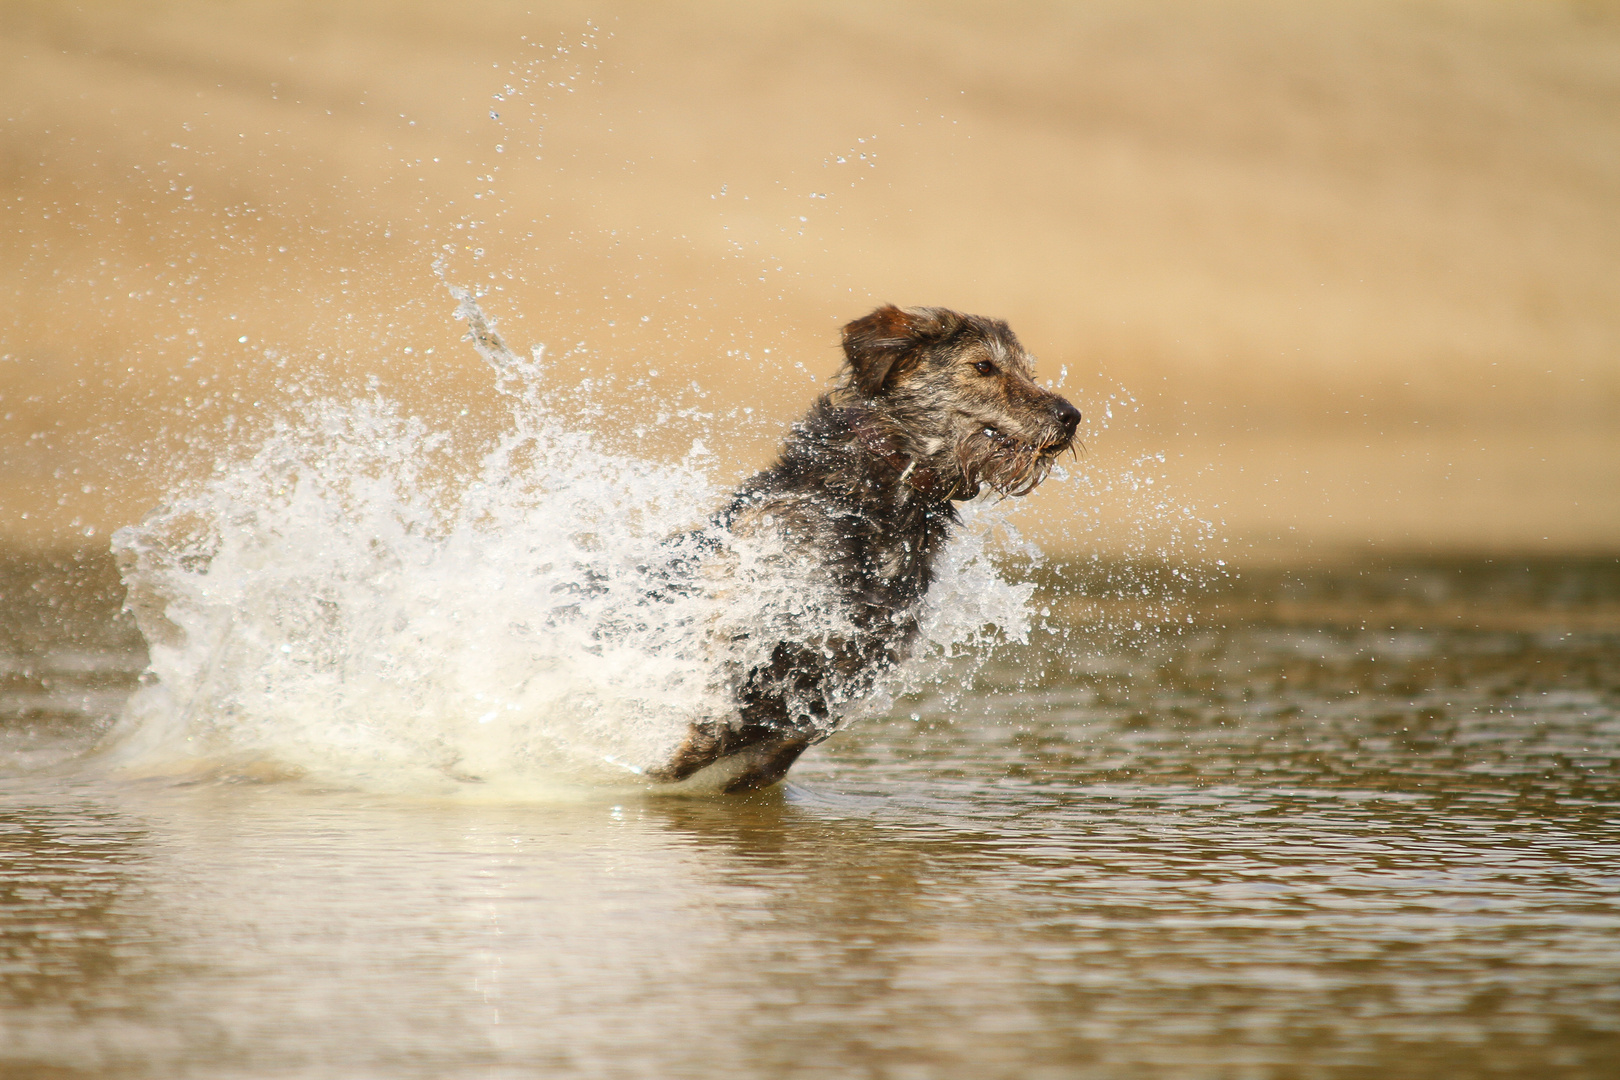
[[932, 407]]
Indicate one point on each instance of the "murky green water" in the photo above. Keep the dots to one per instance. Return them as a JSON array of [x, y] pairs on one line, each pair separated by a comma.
[[1360, 822]]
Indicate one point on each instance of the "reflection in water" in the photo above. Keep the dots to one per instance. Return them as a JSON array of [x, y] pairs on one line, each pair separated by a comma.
[[1335, 829]]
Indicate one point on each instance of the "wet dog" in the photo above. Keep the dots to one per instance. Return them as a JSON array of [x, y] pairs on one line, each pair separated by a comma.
[[931, 408]]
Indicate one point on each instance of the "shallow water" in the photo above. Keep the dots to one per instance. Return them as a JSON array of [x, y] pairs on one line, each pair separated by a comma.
[[1357, 821]]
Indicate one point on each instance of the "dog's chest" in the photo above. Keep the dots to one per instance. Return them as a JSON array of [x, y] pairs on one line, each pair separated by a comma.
[[890, 552], [882, 554], [901, 566]]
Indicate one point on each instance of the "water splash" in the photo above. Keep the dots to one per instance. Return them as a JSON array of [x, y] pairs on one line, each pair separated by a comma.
[[341, 601]]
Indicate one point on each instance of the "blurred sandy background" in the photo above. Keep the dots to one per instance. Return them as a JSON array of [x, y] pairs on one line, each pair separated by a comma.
[[1352, 268]]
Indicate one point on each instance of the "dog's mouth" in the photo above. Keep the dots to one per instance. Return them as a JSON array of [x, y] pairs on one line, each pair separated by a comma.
[[1049, 449], [1010, 465]]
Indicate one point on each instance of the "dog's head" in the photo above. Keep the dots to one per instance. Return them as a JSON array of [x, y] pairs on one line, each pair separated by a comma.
[[959, 390]]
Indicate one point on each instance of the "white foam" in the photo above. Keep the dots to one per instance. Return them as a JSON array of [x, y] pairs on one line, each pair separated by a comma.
[[322, 605]]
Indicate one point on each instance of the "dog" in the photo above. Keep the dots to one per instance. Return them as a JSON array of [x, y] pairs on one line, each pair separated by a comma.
[[931, 408]]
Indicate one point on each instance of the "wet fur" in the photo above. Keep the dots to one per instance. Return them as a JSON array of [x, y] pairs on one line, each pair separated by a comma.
[[931, 408]]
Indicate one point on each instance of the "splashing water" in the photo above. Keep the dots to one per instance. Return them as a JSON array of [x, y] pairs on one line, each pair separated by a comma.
[[324, 606]]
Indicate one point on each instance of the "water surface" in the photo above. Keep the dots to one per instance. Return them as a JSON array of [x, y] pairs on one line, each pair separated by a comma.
[[1354, 821]]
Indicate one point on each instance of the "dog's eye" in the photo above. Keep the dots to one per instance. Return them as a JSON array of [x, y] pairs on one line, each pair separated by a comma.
[[984, 367]]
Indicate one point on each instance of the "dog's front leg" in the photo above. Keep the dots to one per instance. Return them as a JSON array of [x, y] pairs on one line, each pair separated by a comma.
[[783, 708]]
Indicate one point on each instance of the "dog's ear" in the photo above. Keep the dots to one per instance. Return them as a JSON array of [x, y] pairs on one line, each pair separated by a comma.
[[882, 344]]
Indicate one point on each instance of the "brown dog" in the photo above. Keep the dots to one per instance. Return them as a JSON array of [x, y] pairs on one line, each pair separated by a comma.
[[932, 407]]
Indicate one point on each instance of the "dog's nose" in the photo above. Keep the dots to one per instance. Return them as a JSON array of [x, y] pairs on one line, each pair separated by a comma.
[[1067, 415]]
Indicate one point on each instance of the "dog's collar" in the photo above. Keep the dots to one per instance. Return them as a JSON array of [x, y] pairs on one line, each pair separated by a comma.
[[923, 479]]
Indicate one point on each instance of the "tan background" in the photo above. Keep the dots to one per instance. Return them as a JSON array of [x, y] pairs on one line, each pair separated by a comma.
[[1356, 264]]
